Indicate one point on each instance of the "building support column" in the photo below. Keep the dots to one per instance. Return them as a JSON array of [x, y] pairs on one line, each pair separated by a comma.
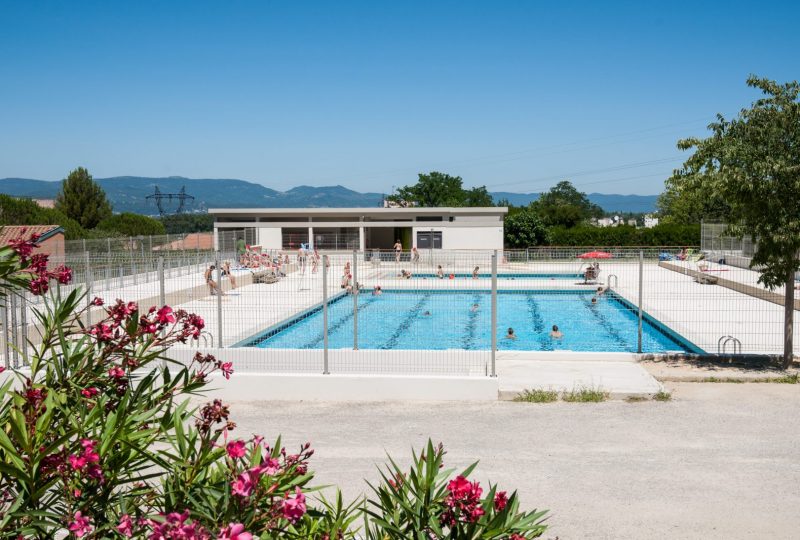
[[362, 242], [311, 238]]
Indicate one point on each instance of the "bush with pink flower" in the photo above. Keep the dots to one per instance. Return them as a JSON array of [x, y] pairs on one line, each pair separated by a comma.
[[98, 440]]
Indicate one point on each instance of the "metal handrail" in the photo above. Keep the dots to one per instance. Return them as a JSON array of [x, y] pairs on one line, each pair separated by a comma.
[[722, 344], [616, 280]]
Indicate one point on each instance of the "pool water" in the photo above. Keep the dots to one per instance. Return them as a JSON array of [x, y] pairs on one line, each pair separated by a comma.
[[502, 276], [439, 320]]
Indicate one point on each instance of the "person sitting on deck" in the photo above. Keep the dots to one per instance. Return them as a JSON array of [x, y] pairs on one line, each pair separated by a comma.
[[346, 281], [439, 272], [377, 291], [226, 272], [212, 285], [475, 272]]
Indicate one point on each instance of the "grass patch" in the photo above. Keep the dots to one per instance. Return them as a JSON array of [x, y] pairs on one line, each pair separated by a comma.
[[635, 399], [662, 396], [585, 395], [723, 380], [537, 395], [791, 378]]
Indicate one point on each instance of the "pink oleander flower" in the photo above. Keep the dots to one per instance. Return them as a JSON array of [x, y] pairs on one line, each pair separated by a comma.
[[39, 285], [23, 247], [97, 301], [500, 501], [227, 369], [116, 372], [175, 526], [103, 332], [38, 263], [270, 466], [294, 507], [234, 531], [80, 525], [90, 392], [125, 527], [165, 315], [2, 369], [77, 462], [244, 484], [63, 274], [236, 449]]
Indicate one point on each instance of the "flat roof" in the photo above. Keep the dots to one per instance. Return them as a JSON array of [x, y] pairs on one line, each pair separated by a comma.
[[443, 210]]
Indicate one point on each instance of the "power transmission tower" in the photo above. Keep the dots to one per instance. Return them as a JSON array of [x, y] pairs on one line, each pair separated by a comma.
[[159, 198]]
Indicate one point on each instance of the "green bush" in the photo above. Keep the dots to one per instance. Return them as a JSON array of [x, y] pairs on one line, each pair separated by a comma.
[[625, 235], [15, 211], [129, 224], [98, 440], [188, 223]]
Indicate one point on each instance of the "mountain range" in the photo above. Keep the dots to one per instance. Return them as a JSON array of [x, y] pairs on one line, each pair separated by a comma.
[[129, 194]]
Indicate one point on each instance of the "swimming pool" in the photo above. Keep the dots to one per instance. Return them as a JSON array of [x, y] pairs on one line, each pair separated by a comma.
[[440, 320], [502, 276]]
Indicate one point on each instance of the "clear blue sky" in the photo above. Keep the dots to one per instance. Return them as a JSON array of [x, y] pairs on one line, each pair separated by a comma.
[[513, 95]]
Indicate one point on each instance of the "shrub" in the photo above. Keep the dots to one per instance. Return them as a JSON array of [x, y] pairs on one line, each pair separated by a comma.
[[585, 395], [98, 440], [624, 235], [537, 395], [129, 224]]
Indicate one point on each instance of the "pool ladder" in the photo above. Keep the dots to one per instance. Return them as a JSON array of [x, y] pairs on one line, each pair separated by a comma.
[[722, 345], [616, 280], [207, 338]]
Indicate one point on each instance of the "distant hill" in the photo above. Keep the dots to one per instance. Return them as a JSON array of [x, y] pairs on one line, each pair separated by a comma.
[[128, 194]]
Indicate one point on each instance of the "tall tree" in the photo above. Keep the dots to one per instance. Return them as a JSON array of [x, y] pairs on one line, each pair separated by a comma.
[[440, 189], [82, 199], [685, 204], [564, 205], [753, 163], [524, 229]]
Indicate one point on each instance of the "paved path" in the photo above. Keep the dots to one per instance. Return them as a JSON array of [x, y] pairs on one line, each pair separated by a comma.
[[720, 461]]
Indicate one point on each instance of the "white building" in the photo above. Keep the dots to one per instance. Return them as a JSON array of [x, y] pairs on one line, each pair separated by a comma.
[[360, 228], [650, 221]]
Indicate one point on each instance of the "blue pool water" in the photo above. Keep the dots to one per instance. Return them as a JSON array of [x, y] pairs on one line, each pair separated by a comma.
[[398, 320], [504, 276]]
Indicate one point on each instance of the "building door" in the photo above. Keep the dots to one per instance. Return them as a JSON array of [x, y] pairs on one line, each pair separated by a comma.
[[429, 239]]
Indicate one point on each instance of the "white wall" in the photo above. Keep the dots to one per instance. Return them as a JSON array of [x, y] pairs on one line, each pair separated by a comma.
[[471, 237], [270, 237]]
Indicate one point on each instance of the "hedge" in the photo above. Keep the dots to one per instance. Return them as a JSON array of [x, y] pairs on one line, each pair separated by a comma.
[[625, 235]]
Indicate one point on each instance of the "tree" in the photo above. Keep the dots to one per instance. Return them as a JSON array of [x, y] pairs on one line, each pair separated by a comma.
[[684, 204], [82, 199], [188, 223], [753, 163], [524, 229], [440, 189], [15, 211], [564, 205], [129, 224]]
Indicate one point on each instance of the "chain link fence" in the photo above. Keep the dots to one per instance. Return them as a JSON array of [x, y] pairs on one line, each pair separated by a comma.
[[433, 311]]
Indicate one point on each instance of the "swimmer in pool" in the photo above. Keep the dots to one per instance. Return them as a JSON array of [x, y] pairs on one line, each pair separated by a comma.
[[474, 308], [511, 334], [555, 333]]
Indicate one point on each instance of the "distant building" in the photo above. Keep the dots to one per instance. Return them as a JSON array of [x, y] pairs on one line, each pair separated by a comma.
[[51, 239], [45, 203], [650, 221], [360, 228]]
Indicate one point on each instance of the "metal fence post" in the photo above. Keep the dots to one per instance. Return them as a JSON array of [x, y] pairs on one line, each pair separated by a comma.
[[325, 315], [6, 347], [162, 297], [494, 314], [219, 299], [88, 280], [639, 331], [24, 323], [356, 293], [13, 327]]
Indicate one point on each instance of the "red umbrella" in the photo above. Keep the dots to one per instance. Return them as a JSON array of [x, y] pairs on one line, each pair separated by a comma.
[[595, 255]]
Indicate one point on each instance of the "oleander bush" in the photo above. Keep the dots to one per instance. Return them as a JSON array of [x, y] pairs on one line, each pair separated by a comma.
[[98, 440]]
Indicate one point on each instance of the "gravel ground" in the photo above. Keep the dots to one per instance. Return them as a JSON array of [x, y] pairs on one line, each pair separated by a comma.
[[719, 461]]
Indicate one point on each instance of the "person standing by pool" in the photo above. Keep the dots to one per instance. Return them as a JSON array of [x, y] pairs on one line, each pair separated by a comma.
[[555, 333], [241, 248], [226, 272], [414, 255], [475, 272], [398, 249], [439, 272]]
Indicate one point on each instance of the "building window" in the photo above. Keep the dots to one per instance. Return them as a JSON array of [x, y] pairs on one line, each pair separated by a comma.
[[429, 239]]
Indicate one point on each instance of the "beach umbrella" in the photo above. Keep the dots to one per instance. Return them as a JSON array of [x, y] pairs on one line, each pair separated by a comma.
[[595, 255]]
